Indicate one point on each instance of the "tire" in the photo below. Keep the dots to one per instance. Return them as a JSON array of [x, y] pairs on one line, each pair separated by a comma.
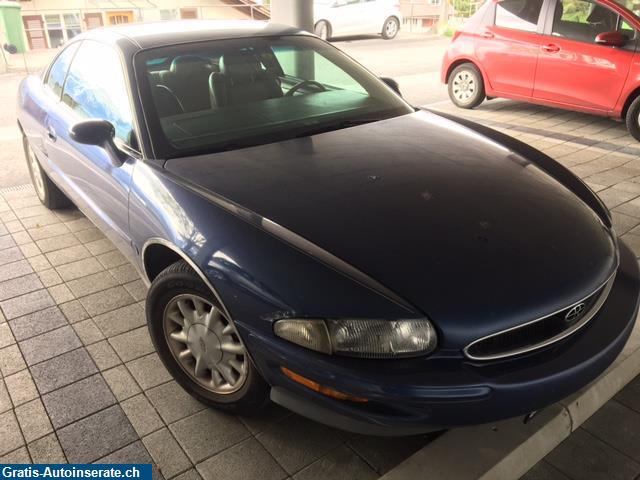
[[47, 191], [179, 283], [633, 119], [466, 86], [323, 30], [390, 28]]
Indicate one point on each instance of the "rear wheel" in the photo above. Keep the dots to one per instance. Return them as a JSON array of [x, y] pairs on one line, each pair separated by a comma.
[[323, 30], [633, 119], [48, 193], [199, 344], [390, 28], [466, 87]]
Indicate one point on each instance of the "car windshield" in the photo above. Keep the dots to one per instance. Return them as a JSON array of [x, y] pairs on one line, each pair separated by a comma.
[[631, 5], [227, 94]]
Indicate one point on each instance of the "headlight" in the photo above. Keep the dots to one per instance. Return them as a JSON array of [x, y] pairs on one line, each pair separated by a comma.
[[361, 338]]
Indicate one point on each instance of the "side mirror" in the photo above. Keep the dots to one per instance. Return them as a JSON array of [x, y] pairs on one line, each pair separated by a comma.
[[10, 48], [392, 84], [99, 133], [612, 39]]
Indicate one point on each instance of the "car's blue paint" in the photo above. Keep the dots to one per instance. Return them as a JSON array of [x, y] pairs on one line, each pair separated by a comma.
[[465, 230]]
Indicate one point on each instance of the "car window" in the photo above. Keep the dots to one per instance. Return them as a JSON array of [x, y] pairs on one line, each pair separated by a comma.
[[58, 71], [324, 71], [96, 88], [584, 20], [229, 94], [518, 14]]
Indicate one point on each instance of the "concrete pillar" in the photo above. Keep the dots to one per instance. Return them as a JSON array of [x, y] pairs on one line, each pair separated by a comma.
[[298, 13]]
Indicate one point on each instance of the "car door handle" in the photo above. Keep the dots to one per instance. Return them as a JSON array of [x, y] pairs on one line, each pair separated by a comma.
[[51, 134], [551, 48], [487, 35]]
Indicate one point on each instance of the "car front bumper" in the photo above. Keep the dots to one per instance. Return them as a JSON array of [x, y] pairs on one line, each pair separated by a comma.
[[418, 395]]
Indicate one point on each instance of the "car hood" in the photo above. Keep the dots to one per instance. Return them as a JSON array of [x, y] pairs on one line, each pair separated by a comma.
[[470, 233]]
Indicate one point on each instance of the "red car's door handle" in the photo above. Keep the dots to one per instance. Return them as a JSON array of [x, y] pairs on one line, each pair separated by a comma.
[[551, 48], [487, 35], [51, 134]]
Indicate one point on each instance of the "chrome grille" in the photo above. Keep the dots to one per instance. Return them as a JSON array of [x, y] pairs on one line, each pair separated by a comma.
[[540, 332]]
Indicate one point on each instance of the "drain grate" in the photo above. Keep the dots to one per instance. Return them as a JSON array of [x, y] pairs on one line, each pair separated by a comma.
[[16, 188]]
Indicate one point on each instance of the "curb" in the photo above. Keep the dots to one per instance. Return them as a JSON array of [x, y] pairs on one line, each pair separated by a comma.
[[508, 449]]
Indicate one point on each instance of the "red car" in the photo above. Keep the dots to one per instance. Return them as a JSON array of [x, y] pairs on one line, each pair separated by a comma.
[[574, 54]]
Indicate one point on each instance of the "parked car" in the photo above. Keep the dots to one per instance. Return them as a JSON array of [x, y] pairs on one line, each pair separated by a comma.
[[573, 54], [311, 238], [334, 18]]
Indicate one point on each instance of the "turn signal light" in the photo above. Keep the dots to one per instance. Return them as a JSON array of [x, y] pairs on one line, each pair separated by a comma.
[[316, 387]]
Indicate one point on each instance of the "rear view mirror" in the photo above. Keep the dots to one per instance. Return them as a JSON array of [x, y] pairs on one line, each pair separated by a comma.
[[99, 133], [392, 84], [612, 39]]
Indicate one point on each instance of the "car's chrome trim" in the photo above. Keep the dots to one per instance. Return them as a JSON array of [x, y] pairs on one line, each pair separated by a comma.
[[185, 257], [604, 294], [296, 241]]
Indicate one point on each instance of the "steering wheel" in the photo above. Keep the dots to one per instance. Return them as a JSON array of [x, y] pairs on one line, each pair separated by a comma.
[[305, 83]]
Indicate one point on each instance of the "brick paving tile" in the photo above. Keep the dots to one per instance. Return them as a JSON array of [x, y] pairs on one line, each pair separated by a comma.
[[296, 442], [63, 370], [246, 460], [47, 450], [78, 400], [37, 323], [49, 345], [109, 430], [339, 464], [208, 432]]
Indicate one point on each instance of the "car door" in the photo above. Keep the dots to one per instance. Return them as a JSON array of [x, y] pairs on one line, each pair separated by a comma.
[[573, 70], [346, 17], [95, 87], [507, 47]]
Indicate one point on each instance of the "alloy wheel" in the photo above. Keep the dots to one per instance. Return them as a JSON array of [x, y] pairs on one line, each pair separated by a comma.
[[205, 344], [38, 180], [465, 86], [322, 31], [391, 28]]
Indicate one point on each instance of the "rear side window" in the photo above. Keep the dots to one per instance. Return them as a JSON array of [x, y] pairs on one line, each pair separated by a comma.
[[96, 88], [518, 14], [584, 20], [59, 69]]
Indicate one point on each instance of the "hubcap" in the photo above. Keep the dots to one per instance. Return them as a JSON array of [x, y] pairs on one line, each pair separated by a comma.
[[391, 28], [464, 86], [38, 181], [322, 31], [205, 344]]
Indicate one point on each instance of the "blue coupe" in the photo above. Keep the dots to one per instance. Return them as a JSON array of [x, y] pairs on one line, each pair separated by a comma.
[[311, 238]]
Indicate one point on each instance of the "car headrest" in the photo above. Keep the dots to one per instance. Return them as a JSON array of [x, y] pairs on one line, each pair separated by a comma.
[[189, 64], [601, 15], [240, 64], [559, 11]]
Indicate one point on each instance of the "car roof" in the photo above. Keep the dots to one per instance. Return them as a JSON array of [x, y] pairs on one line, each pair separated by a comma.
[[157, 34]]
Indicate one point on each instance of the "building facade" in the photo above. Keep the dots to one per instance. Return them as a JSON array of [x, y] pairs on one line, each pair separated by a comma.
[[50, 23]]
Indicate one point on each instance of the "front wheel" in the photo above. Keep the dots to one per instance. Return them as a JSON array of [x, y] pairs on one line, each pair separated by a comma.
[[323, 30], [633, 119], [390, 28], [466, 87], [199, 344], [48, 193]]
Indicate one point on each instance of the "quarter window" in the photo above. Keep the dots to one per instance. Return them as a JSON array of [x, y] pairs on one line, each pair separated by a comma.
[[96, 88], [518, 14], [59, 69], [584, 20]]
